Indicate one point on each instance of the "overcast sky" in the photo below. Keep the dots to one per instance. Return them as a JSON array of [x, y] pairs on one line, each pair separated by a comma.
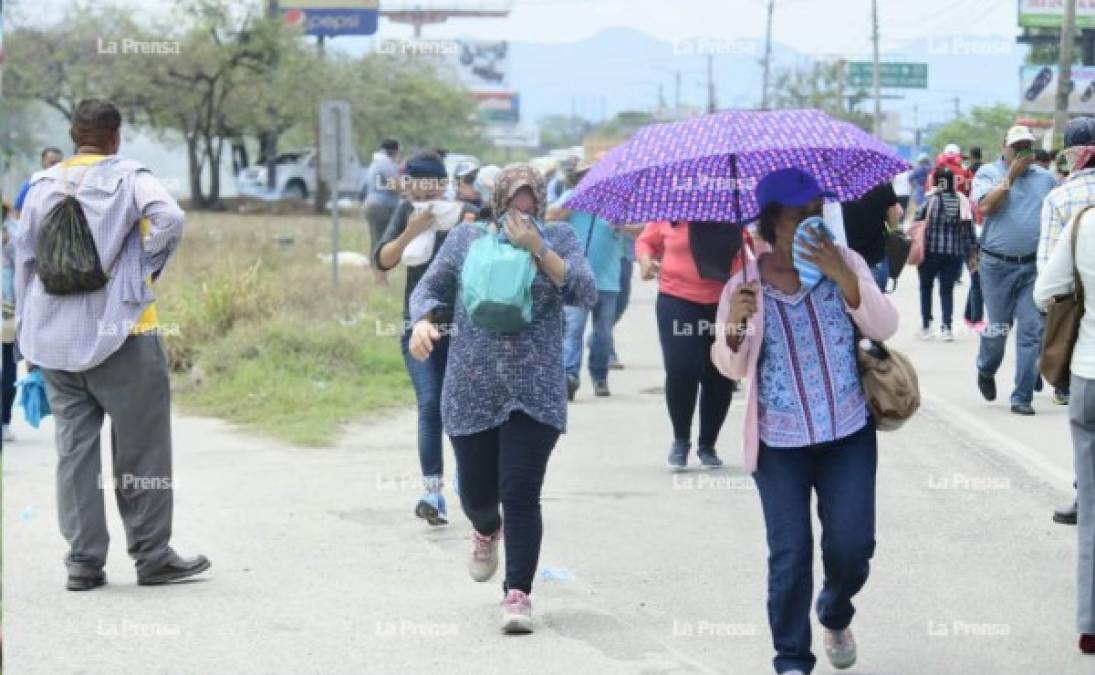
[[815, 26]]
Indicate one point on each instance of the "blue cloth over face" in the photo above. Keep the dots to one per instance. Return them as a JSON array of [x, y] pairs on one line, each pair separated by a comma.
[[808, 273]]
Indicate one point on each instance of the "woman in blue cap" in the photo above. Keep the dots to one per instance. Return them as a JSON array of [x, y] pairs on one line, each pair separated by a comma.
[[788, 325]]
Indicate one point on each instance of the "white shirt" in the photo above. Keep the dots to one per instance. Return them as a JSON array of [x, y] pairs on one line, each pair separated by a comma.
[[901, 185], [1056, 278]]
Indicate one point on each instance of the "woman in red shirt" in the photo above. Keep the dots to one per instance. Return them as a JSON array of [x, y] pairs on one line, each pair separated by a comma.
[[686, 308]]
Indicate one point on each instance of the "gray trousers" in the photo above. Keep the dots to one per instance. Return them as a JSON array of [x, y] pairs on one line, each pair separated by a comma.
[[133, 388], [1082, 413]]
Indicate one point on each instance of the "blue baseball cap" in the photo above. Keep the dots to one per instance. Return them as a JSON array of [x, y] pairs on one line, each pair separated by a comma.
[[788, 187]]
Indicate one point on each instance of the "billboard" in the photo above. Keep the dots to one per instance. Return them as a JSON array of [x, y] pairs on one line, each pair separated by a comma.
[[1038, 89], [330, 18], [1050, 13], [498, 107], [480, 65]]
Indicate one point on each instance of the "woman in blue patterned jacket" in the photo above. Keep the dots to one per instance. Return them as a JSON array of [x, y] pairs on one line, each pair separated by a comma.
[[503, 402]]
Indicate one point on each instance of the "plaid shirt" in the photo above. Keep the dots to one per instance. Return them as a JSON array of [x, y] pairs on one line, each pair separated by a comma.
[[78, 332], [1061, 205], [947, 232]]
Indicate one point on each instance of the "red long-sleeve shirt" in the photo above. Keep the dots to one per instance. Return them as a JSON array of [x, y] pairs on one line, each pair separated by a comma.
[[679, 277]]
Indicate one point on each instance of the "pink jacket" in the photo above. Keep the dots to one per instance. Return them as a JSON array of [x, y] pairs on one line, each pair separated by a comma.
[[876, 318]]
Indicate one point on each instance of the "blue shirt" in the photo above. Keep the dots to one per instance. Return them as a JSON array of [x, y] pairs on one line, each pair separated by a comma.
[[1015, 228], [21, 197], [380, 179], [600, 243]]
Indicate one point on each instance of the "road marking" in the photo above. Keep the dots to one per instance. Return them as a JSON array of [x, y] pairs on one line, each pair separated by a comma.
[[1031, 459]]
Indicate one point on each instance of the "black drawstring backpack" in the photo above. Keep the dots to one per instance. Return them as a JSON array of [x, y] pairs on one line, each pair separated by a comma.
[[67, 259]]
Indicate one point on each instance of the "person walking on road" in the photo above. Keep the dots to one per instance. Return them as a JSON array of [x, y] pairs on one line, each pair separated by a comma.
[[600, 242], [685, 310], [807, 426], [101, 354], [504, 400], [381, 195], [49, 157], [414, 217], [1010, 193], [949, 243], [1060, 208], [867, 222], [1058, 277]]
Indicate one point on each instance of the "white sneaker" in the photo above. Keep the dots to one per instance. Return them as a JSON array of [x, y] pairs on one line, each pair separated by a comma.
[[946, 334], [792, 672], [925, 333], [8, 436], [840, 648], [516, 613], [484, 555]]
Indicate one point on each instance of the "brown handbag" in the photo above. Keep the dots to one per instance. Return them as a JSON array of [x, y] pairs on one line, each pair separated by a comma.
[[1063, 324], [890, 384]]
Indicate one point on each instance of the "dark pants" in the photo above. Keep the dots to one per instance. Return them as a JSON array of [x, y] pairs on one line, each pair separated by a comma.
[[947, 269], [427, 377], [377, 216], [133, 387], [506, 465], [7, 382], [843, 475], [687, 331]]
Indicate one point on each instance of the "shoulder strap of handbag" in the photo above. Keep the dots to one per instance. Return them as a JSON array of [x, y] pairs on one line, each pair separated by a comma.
[[589, 237], [1079, 283]]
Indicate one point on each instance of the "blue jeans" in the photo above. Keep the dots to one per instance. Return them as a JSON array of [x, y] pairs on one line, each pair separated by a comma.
[[427, 378], [843, 475], [946, 268], [600, 336], [881, 273], [1008, 290], [624, 299]]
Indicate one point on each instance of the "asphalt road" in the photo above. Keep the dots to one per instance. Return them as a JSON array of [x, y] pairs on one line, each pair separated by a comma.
[[320, 567]]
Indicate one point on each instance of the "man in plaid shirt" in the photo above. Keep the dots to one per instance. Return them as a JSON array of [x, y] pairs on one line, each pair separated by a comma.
[[1060, 208]]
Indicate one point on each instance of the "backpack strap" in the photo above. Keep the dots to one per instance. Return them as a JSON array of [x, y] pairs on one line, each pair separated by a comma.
[[1078, 283]]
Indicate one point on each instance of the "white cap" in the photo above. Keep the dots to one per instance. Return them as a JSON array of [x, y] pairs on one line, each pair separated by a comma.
[[952, 149], [1018, 134]]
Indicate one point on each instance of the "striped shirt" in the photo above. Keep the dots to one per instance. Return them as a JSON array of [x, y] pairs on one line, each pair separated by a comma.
[[1060, 207], [947, 232], [78, 332]]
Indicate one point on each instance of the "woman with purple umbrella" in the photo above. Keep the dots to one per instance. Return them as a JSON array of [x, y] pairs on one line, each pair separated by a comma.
[[788, 324]]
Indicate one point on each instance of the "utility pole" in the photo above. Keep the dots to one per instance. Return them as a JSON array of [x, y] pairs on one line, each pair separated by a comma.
[[270, 138], [319, 197], [876, 74], [677, 98], [957, 107], [1064, 68], [767, 55], [710, 83]]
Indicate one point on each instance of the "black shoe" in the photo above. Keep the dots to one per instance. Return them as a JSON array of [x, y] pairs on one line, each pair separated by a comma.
[[85, 583], [176, 569], [987, 385], [1039, 384], [678, 455], [572, 386], [600, 388], [1024, 409], [1065, 516], [708, 458]]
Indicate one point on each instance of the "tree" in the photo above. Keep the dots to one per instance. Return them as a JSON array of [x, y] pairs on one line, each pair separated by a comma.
[[983, 126], [819, 86]]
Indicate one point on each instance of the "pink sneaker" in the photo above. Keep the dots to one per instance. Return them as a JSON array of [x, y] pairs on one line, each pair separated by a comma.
[[484, 555], [840, 648], [516, 612]]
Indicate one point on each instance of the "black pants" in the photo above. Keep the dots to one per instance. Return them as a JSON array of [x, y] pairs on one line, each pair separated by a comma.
[[7, 385], [506, 465], [947, 269], [687, 331]]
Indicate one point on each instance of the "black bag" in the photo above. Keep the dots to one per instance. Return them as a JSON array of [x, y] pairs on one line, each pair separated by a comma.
[[898, 246], [67, 260]]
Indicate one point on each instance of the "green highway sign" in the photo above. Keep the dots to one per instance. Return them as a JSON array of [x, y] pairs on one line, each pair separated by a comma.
[[890, 75]]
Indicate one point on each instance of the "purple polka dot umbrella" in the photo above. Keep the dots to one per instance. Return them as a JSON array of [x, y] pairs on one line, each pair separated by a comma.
[[707, 168]]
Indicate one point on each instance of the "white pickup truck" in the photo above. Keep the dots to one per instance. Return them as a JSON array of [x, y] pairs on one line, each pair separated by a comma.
[[296, 177]]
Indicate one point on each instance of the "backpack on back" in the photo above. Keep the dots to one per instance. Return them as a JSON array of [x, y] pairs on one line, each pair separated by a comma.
[[496, 283], [66, 257]]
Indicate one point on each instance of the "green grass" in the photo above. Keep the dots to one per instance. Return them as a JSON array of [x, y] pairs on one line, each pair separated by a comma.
[[256, 334]]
